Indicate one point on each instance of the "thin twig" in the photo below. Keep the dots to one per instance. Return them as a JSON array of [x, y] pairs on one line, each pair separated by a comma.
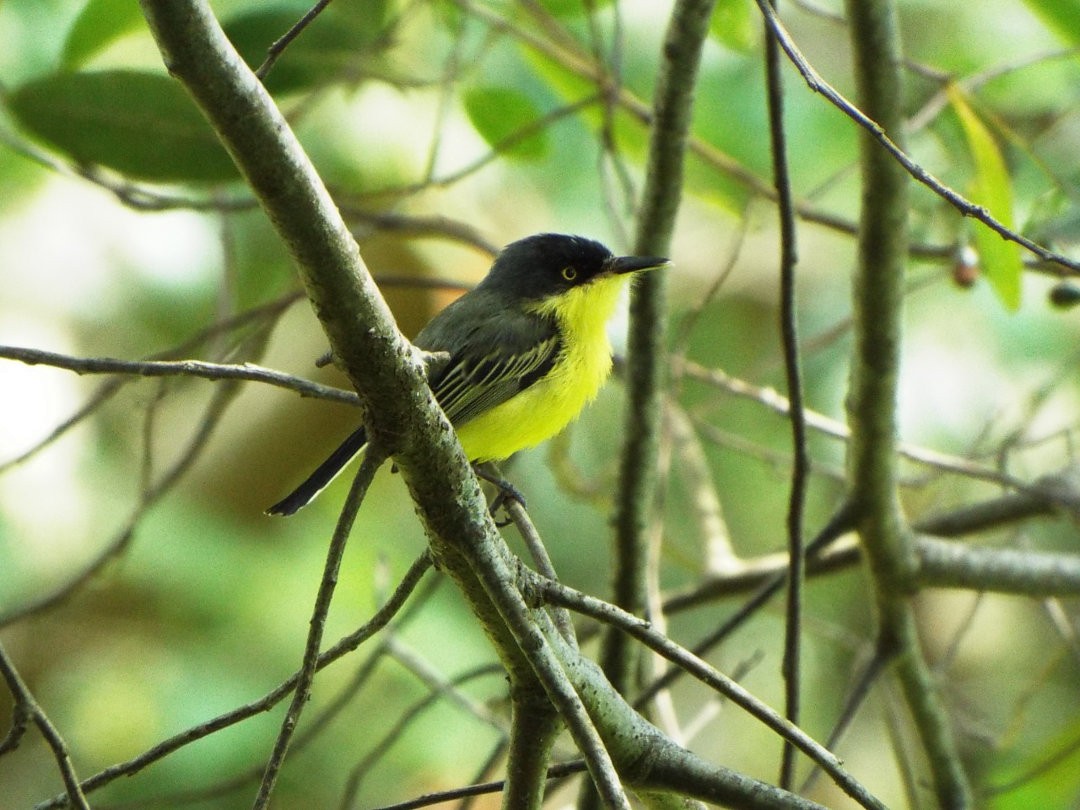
[[414, 225], [128, 193], [967, 208], [1048, 761], [151, 492], [279, 45], [28, 707], [707, 510], [560, 594], [822, 550], [451, 74], [856, 696], [421, 669], [940, 100], [174, 368], [438, 690], [523, 522], [777, 402], [800, 469], [268, 313], [483, 773], [393, 606], [498, 150], [373, 459], [554, 772]]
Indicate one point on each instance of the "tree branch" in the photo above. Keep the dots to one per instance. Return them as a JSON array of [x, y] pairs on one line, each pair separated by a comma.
[[878, 298], [179, 368], [636, 628], [890, 139], [401, 414], [687, 30], [27, 707], [800, 468], [373, 459]]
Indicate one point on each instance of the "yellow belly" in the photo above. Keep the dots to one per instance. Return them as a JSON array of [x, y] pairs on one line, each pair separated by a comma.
[[549, 405]]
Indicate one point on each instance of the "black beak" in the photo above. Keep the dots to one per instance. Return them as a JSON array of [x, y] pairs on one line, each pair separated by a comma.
[[632, 264]]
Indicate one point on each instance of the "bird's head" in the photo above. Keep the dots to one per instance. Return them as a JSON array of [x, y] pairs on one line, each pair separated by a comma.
[[540, 267]]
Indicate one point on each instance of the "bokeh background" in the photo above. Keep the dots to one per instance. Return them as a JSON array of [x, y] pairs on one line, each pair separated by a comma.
[[446, 129]]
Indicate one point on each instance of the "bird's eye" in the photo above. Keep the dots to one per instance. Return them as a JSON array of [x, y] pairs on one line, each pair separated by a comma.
[[569, 273]]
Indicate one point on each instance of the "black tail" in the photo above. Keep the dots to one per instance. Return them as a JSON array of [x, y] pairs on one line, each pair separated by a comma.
[[323, 475]]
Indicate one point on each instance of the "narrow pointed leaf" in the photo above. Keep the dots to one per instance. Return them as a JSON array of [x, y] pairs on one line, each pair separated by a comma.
[[1060, 16], [992, 189]]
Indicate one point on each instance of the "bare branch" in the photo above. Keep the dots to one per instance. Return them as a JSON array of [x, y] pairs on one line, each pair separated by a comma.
[[687, 30], [373, 459], [178, 368], [800, 468], [887, 137], [26, 707], [639, 629], [778, 403], [393, 606]]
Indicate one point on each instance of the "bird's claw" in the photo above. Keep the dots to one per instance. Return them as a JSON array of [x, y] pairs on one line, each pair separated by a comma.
[[507, 492]]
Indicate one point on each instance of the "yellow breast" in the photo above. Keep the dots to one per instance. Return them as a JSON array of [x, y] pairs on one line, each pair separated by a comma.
[[550, 404]]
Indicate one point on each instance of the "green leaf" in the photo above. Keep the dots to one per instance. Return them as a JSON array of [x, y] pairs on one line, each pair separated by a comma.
[[100, 23], [733, 25], [1060, 16], [140, 124], [498, 114], [992, 189], [323, 52], [571, 8]]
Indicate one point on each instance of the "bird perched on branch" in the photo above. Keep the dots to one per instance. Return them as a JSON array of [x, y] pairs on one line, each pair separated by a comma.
[[514, 360]]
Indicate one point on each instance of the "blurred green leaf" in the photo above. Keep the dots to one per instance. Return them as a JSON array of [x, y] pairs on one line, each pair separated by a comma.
[[100, 23], [571, 8], [733, 25], [992, 189], [140, 124], [561, 80], [331, 48], [1060, 16], [1045, 777], [498, 113]]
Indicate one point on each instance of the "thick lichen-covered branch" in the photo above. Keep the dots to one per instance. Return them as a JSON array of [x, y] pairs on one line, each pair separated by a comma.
[[401, 414]]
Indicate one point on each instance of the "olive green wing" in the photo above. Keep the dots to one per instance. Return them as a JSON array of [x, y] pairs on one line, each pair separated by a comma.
[[495, 352]]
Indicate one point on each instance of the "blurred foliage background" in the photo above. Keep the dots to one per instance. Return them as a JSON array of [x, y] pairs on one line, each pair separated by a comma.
[[446, 129]]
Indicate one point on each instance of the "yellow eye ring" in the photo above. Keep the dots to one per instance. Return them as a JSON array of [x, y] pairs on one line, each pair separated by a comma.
[[569, 273]]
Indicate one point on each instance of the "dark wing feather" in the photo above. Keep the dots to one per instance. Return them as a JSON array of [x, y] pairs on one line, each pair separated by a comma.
[[500, 352], [472, 385], [489, 351]]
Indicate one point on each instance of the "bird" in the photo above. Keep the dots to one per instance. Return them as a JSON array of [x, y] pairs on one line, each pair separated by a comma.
[[514, 360]]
